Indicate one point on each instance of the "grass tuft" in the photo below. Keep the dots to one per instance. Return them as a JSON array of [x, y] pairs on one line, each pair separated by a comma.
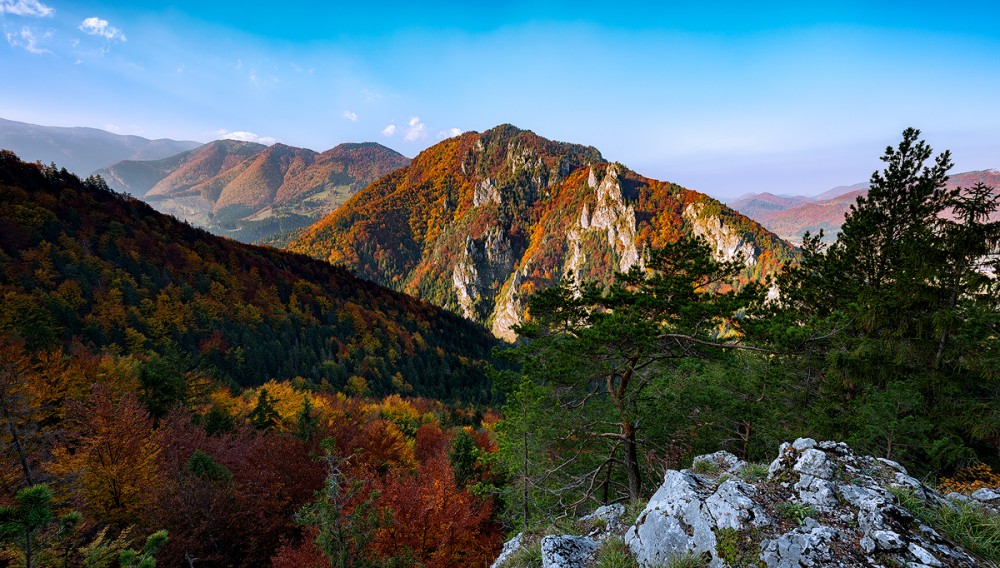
[[529, 556], [966, 524], [615, 554], [688, 560], [706, 467], [754, 472]]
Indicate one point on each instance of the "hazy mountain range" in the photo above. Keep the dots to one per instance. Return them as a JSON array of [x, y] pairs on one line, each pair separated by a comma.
[[83, 150], [791, 216]]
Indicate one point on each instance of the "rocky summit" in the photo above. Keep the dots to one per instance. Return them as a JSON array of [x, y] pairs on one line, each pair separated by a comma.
[[817, 504], [479, 222]]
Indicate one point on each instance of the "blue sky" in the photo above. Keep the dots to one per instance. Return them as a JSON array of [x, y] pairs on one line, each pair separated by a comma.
[[721, 97]]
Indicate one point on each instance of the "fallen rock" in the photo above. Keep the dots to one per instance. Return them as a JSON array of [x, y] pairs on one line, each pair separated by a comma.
[[567, 551]]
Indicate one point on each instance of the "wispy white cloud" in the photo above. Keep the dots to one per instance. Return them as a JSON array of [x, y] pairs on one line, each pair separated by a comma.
[[245, 136], [416, 130], [389, 130], [450, 133], [26, 39], [261, 78], [97, 27], [352, 116], [32, 8]]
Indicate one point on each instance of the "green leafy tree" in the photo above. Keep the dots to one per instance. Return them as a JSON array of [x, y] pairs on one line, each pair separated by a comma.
[[604, 358]]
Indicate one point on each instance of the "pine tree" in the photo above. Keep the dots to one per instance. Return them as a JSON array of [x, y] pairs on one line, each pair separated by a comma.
[[344, 520], [604, 358], [307, 423], [462, 456], [264, 416], [896, 316], [31, 514]]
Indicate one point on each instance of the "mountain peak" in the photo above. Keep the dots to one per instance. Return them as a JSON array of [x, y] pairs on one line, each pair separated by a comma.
[[477, 222], [254, 192]]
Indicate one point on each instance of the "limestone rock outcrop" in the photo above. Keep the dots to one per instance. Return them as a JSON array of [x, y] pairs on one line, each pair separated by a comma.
[[817, 504]]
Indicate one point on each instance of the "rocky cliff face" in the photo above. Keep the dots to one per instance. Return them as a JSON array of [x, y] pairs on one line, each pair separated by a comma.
[[479, 222], [818, 504], [728, 243]]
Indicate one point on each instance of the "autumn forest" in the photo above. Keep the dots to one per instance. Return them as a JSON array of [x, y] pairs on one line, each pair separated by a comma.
[[171, 397]]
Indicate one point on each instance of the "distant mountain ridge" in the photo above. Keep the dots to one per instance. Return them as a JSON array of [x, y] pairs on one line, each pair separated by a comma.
[[790, 217], [252, 192], [479, 221], [83, 150]]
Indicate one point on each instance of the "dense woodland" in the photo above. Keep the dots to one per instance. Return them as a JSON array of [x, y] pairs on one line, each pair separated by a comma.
[[170, 395], [155, 377], [81, 264]]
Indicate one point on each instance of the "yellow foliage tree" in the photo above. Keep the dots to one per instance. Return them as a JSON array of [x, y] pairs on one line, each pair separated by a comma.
[[115, 454]]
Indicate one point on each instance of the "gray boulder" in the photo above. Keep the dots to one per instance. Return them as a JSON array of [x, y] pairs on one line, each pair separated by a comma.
[[685, 514], [606, 520], [821, 505], [508, 550], [567, 551], [808, 545]]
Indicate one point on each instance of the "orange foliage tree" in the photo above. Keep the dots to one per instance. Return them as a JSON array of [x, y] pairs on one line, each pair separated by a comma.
[[115, 453], [439, 524]]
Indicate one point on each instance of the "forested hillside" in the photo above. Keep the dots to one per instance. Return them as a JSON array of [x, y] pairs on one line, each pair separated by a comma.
[[171, 396], [82, 265], [479, 222]]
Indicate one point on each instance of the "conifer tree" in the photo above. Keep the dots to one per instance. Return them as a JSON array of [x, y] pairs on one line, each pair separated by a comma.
[[307, 423], [603, 359], [31, 514], [896, 316], [264, 416]]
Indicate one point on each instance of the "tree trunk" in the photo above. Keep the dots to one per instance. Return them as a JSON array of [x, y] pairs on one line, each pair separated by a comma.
[[632, 461], [17, 443], [525, 472], [28, 562]]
